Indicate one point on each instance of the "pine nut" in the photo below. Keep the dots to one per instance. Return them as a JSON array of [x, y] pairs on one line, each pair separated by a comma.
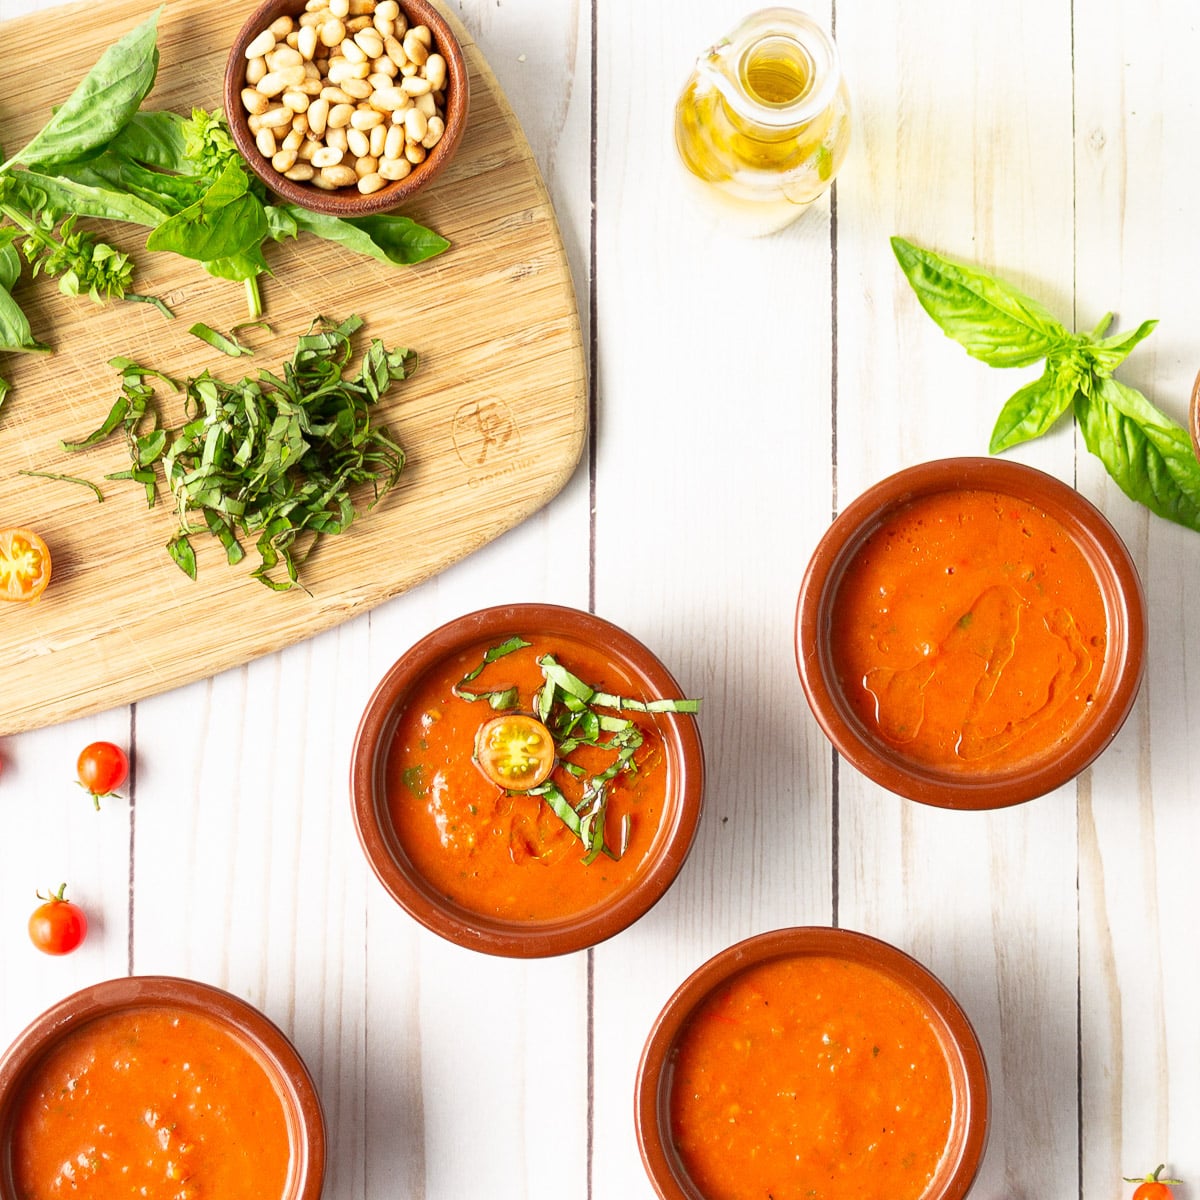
[[339, 8], [306, 42], [332, 33], [377, 140], [393, 146], [336, 139], [266, 143], [389, 10], [358, 142], [276, 118], [318, 114], [296, 101], [302, 172], [294, 139], [383, 26], [336, 95], [369, 42], [414, 85], [368, 184], [394, 49], [384, 71], [339, 116], [366, 165], [256, 68], [339, 176], [261, 44], [254, 101], [357, 89], [423, 35], [342, 69], [327, 156], [284, 56], [395, 168], [434, 133], [415, 50], [353, 52], [284, 160], [435, 72], [416, 125], [426, 104], [415, 153], [387, 99], [357, 24], [366, 118], [282, 26]]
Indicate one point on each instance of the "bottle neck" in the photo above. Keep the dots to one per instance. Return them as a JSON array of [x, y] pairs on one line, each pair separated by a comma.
[[777, 71]]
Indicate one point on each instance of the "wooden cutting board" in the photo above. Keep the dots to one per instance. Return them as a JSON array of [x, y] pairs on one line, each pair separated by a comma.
[[493, 421]]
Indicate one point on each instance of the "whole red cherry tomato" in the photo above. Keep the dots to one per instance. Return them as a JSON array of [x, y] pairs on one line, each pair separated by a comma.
[[1152, 1186], [102, 768], [57, 926]]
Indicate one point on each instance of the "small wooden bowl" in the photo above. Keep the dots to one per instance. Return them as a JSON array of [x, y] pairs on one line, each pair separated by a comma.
[[984, 787], [509, 936], [266, 1043], [968, 1133], [348, 201]]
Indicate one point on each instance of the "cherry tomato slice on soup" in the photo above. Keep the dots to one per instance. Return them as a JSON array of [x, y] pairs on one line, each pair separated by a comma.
[[514, 751], [24, 565]]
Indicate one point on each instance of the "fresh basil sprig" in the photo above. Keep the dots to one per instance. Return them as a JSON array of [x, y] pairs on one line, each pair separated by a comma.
[[1149, 456], [572, 711]]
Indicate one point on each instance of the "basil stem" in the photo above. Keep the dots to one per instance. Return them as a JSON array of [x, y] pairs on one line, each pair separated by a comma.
[[87, 483]]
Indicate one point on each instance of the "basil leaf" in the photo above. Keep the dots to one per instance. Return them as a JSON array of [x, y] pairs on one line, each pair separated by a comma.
[[1111, 352], [1031, 411], [397, 240], [156, 139], [989, 318], [15, 333], [219, 341], [103, 102], [86, 193], [10, 266], [1148, 456], [225, 221], [184, 556]]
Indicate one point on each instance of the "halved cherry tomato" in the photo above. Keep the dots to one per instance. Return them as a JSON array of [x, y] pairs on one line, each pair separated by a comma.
[[514, 751], [1152, 1186], [24, 565], [103, 767], [57, 926]]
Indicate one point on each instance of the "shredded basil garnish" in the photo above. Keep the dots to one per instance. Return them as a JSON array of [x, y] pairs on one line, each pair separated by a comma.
[[570, 710]]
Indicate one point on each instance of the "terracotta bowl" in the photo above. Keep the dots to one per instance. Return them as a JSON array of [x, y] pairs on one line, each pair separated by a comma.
[[249, 1027], [466, 639], [967, 1070], [999, 784], [348, 201]]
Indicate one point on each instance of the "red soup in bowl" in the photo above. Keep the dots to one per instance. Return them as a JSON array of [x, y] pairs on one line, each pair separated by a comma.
[[812, 1062], [527, 780], [160, 1088], [971, 633]]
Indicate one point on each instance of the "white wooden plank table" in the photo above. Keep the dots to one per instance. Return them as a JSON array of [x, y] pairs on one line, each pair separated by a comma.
[[744, 391]]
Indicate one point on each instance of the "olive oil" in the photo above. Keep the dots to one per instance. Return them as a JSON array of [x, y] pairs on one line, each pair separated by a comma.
[[763, 124]]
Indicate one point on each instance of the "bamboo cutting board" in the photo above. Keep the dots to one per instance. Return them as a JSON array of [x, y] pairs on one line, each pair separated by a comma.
[[493, 421]]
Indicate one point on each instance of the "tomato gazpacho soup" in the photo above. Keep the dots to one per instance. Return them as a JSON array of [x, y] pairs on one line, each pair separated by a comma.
[[527, 780], [969, 630], [810, 1076], [155, 1102]]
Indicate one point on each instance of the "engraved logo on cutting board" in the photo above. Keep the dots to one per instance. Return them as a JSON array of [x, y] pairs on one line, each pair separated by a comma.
[[485, 435]]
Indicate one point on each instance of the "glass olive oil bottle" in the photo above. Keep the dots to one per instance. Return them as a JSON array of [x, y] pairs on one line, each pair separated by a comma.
[[763, 124]]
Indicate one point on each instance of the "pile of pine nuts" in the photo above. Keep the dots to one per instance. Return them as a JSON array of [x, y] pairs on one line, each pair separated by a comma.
[[345, 95]]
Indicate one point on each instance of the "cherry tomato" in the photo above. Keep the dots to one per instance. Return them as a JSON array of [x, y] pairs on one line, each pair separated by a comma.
[[514, 751], [24, 565], [103, 767], [1152, 1186], [57, 926]]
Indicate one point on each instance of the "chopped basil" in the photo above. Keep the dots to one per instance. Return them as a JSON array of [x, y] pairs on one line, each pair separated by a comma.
[[570, 710]]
